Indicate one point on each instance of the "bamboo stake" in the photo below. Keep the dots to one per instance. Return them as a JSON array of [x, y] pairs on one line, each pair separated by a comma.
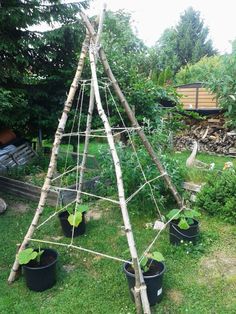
[[90, 114], [57, 140], [131, 115], [116, 161]]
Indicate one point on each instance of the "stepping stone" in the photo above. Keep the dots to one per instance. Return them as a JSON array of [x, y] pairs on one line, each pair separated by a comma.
[[3, 206]]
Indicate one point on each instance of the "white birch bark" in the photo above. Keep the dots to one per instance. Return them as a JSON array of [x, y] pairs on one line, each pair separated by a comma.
[[57, 141], [90, 114], [121, 194]]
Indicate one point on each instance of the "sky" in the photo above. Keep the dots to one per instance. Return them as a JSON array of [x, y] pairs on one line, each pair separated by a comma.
[[152, 17]]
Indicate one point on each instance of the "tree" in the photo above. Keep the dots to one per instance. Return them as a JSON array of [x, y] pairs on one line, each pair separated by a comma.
[[223, 84], [20, 54], [201, 71], [186, 43], [127, 55]]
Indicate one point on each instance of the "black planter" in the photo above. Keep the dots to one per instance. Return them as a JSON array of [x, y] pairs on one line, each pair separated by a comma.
[[153, 282], [177, 234], [67, 227], [41, 277]]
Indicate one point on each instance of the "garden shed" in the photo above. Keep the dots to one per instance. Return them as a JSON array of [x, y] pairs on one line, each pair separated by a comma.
[[196, 97]]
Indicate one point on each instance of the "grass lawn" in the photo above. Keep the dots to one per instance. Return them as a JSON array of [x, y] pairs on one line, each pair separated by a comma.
[[198, 175], [199, 279]]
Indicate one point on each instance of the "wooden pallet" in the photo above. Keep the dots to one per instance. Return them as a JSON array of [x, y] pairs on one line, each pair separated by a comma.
[[20, 156]]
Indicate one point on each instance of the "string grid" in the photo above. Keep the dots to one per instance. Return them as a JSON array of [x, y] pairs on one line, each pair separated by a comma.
[[96, 133]]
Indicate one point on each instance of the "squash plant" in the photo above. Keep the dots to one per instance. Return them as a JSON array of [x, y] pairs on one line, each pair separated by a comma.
[[27, 255], [76, 214], [147, 260], [185, 217]]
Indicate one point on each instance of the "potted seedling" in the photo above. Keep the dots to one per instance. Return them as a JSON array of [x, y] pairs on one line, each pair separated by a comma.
[[183, 226], [153, 270], [73, 218], [39, 267]]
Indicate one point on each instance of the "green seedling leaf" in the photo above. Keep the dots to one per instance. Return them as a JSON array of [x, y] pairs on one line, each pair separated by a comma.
[[188, 214], [75, 219], [173, 213], [81, 208], [183, 224], [25, 256], [157, 256]]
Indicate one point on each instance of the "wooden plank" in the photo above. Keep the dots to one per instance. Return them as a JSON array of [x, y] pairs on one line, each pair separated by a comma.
[[207, 105], [19, 184], [190, 186], [30, 196], [207, 98], [188, 93], [202, 89], [36, 191], [186, 100], [186, 89]]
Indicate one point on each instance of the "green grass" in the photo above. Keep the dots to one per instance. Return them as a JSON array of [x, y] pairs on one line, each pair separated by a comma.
[[198, 175], [97, 285]]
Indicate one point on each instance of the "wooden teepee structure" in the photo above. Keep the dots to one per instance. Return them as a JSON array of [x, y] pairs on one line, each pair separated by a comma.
[[91, 43]]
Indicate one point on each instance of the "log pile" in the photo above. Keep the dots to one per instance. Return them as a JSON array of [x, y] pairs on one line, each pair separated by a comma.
[[211, 134]]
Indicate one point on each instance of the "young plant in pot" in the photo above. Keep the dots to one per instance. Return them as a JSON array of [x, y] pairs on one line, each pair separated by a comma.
[[184, 226], [73, 218], [39, 267], [153, 270]]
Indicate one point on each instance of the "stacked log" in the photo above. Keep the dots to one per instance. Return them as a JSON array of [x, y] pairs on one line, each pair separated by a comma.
[[212, 136]]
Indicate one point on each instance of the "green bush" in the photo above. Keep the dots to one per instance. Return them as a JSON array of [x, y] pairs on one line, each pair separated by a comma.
[[218, 197], [133, 178]]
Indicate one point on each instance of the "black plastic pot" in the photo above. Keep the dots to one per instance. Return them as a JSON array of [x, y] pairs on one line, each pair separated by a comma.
[[41, 277], [153, 282], [177, 234], [67, 227]]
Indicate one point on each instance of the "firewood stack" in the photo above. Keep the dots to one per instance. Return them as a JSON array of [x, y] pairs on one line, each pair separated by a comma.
[[211, 134]]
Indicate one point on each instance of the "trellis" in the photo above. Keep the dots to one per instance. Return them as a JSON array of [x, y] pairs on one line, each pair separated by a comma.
[[92, 44]]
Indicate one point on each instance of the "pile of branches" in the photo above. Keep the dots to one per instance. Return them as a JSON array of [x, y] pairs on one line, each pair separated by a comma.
[[211, 134]]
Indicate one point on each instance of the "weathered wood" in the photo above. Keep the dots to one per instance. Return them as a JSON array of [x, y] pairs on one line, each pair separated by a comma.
[[90, 111], [3, 206], [211, 134], [130, 114], [190, 186], [197, 98], [26, 190], [121, 194], [52, 164], [19, 156]]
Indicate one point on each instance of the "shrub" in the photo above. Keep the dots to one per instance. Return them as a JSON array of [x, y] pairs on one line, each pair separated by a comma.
[[218, 197], [133, 177]]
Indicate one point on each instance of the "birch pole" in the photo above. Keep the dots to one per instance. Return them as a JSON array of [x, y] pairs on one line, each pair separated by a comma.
[[140, 288], [51, 167], [131, 115], [90, 113]]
